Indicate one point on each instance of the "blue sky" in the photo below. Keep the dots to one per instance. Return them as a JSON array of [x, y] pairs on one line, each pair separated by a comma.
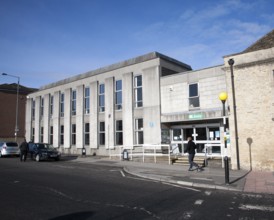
[[43, 41]]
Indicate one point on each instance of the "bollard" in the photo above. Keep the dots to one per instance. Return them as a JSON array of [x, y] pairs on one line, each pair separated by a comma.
[[226, 170]]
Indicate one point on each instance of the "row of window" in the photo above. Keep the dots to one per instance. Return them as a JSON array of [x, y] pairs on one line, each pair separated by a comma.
[[138, 131], [138, 98]]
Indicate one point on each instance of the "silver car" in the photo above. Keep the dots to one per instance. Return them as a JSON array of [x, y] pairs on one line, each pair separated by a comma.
[[9, 148]]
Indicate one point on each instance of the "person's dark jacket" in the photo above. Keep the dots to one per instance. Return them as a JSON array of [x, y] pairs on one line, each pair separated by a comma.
[[24, 146], [191, 146]]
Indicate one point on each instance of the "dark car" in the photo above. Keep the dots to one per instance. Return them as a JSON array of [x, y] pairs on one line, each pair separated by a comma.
[[42, 151]]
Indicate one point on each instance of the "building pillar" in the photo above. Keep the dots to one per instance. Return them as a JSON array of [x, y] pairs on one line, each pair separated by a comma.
[[93, 123], [79, 116], [67, 119], [56, 119], [127, 100], [28, 126], [46, 118], [109, 112], [37, 119], [151, 106]]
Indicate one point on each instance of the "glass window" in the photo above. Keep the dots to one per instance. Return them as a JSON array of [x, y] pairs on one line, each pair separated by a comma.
[[33, 109], [119, 132], [102, 98], [51, 135], [138, 91], [139, 137], [42, 134], [42, 107], [86, 133], [118, 95], [32, 134], [62, 104], [62, 135], [51, 105], [87, 101], [73, 102], [102, 133], [73, 134], [194, 101]]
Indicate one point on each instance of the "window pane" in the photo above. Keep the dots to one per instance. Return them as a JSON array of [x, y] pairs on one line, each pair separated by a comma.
[[118, 85], [119, 125], [138, 81], [102, 126], [140, 137], [119, 138], [193, 90], [194, 102]]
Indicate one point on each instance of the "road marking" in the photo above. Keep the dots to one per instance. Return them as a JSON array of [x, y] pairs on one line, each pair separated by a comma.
[[256, 207], [208, 193], [122, 173], [183, 187], [199, 202], [16, 181]]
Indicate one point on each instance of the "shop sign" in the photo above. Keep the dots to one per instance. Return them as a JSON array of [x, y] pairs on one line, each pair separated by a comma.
[[195, 116]]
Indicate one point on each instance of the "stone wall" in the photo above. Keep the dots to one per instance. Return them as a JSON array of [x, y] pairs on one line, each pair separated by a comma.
[[254, 94]]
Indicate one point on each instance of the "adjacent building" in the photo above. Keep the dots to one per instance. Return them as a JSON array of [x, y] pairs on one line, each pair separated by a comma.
[[8, 100]]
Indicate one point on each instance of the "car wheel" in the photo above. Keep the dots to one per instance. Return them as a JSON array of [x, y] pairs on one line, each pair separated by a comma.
[[57, 158], [37, 157]]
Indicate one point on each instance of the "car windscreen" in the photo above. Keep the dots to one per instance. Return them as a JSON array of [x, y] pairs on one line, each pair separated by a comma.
[[12, 144]]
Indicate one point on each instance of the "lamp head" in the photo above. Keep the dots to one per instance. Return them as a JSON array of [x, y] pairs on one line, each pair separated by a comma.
[[223, 96], [231, 62]]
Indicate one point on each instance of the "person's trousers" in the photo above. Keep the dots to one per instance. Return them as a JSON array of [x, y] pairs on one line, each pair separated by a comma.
[[23, 155], [191, 162]]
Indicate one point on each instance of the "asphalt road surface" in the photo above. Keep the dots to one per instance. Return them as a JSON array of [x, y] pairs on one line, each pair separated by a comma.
[[69, 190]]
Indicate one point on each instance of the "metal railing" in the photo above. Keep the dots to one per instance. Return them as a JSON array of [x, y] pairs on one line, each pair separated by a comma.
[[154, 150]]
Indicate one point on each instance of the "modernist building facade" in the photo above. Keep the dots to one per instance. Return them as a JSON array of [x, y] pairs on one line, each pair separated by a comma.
[[154, 99]]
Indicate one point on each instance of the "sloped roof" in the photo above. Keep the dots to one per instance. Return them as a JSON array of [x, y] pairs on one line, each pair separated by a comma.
[[265, 42], [12, 88]]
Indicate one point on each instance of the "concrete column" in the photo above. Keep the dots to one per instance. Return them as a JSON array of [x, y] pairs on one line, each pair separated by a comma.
[[56, 119], [67, 119], [109, 112], [28, 119], [79, 116], [46, 118], [37, 119], [127, 81], [93, 115], [151, 106]]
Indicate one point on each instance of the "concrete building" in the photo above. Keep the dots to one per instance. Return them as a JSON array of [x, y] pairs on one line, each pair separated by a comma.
[[154, 99], [116, 105]]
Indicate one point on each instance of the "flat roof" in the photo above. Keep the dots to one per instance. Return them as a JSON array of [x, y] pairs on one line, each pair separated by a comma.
[[132, 61]]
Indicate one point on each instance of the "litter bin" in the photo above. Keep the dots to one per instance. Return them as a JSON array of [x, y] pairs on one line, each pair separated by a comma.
[[125, 155]]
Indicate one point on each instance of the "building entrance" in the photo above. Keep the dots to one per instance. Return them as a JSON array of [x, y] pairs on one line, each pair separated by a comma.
[[206, 137]]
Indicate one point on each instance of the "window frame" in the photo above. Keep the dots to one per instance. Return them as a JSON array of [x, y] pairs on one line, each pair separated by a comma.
[[139, 131], [73, 102], [101, 94], [86, 134], [119, 132], [87, 100], [62, 104], [138, 91], [118, 93], [73, 134], [193, 98], [102, 133]]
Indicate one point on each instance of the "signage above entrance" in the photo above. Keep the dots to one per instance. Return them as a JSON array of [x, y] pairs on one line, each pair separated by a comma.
[[195, 116]]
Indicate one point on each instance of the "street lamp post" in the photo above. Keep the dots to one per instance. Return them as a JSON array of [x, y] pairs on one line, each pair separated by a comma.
[[223, 98], [17, 106], [231, 63]]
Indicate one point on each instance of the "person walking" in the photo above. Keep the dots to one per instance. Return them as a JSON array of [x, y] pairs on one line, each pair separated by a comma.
[[24, 150], [191, 146]]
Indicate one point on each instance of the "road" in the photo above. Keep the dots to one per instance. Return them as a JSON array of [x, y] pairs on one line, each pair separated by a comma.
[[69, 190]]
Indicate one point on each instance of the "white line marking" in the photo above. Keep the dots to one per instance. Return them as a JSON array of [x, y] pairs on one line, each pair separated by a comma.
[[183, 187], [256, 207], [208, 193], [199, 202], [122, 173]]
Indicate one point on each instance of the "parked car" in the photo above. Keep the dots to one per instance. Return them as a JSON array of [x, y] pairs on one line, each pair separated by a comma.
[[9, 149], [42, 151]]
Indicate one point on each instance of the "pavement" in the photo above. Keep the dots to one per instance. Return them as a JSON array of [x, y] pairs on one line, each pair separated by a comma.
[[209, 177]]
